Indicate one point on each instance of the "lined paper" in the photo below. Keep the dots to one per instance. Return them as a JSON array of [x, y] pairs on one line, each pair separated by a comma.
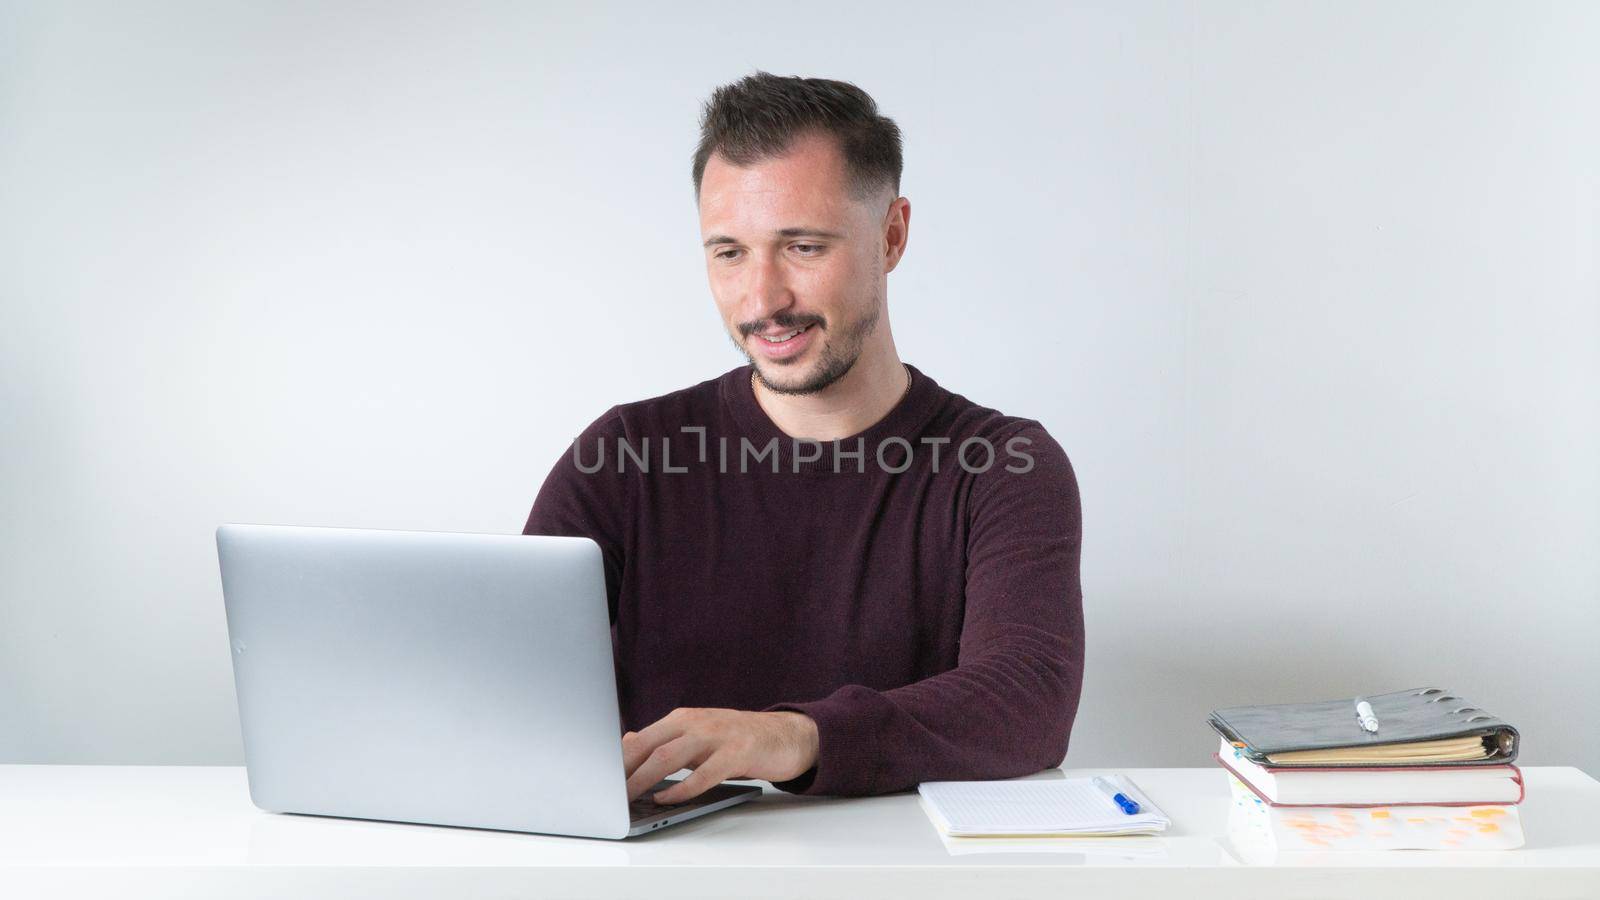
[[1037, 807]]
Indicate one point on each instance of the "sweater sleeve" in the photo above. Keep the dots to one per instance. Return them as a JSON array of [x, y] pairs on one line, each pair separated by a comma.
[[586, 496], [1007, 707]]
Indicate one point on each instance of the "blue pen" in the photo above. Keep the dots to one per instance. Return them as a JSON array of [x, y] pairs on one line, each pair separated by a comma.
[[1117, 797]]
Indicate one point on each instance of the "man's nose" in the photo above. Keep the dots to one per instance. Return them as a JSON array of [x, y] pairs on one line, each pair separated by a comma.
[[768, 290]]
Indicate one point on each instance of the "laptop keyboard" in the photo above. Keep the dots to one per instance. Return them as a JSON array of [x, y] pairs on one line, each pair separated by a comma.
[[642, 807]]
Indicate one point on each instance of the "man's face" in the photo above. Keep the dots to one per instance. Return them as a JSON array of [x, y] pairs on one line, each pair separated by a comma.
[[796, 264]]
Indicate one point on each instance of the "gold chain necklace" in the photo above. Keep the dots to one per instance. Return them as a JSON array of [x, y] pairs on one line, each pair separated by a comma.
[[754, 377]]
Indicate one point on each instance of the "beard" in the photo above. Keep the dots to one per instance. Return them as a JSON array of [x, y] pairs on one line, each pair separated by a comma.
[[835, 359]]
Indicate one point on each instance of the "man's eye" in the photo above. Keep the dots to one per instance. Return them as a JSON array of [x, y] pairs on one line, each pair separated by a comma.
[[726, 254], [807, 247]]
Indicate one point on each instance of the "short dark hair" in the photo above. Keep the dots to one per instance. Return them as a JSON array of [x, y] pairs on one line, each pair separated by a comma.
[[760, 115]]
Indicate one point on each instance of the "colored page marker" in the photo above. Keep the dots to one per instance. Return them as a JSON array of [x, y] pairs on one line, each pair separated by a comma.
[[1117, 797]]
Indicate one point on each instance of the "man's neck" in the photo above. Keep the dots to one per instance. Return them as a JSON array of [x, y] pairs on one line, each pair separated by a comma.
[[849, 406]]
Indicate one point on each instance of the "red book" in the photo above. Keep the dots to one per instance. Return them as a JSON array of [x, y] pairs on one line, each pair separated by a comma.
[[1373, 786]]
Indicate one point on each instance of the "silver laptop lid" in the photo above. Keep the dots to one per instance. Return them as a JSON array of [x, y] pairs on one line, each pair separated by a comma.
[[453, 679]]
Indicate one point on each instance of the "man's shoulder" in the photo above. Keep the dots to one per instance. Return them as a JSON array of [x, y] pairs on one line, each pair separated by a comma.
[[664, 413], [964, 419], [1017, 461]]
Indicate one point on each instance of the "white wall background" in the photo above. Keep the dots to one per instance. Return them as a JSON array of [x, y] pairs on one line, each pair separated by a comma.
[[1307, 291]]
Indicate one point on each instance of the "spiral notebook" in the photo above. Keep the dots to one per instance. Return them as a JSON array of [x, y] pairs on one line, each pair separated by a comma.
[[1062, 807]]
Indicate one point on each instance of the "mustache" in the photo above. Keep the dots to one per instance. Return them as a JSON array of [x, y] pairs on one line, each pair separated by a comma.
[[785, 321]]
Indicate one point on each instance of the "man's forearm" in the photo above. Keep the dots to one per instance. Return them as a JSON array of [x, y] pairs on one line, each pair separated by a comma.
[[1006, 714]]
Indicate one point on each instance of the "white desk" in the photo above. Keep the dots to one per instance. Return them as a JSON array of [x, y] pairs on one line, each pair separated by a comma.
[[134, 831]]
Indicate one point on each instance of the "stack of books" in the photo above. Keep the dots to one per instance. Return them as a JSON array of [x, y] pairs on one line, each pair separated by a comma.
[[1415, 769]]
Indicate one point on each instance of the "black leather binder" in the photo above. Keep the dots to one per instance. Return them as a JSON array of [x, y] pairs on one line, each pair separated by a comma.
[[1421, 726]]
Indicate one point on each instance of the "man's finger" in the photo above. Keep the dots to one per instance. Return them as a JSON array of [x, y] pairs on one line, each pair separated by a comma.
[[637, 748], [707, 775], [668, 758]]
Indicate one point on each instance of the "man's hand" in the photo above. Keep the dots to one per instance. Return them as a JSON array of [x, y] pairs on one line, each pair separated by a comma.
[[717, 744]]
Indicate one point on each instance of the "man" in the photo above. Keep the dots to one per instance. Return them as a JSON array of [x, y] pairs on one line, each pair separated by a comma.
[[824, 569]]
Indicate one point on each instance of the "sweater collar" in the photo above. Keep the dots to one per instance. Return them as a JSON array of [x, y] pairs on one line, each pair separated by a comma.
[[905, 419]]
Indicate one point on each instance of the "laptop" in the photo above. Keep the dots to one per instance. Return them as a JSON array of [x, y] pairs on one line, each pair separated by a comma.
[[446, 679]]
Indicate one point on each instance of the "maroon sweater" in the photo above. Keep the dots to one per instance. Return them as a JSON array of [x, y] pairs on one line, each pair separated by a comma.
[[929, 620]]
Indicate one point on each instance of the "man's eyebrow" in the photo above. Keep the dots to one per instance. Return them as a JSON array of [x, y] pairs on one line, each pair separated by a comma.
[[782, 233]]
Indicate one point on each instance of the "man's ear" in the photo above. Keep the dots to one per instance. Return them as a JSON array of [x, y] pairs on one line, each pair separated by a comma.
[[896, 232]]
